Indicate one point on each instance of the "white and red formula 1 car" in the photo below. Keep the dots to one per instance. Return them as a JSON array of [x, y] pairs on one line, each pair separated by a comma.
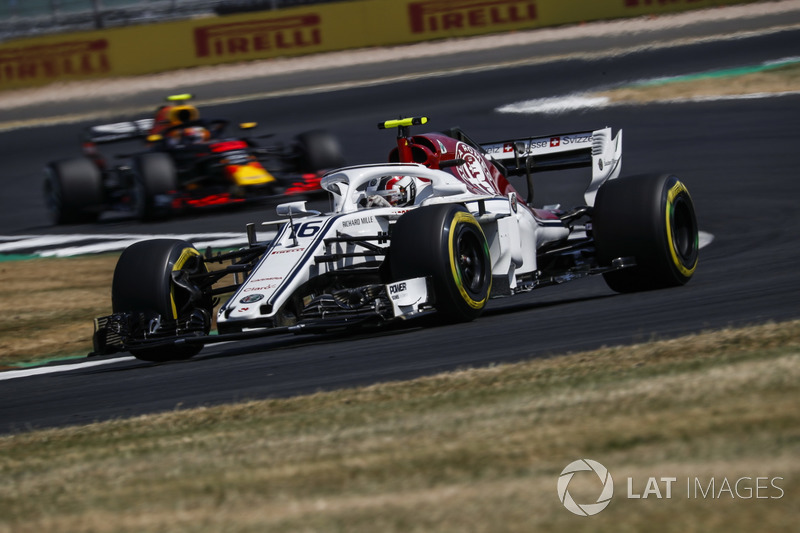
[[437, 230]]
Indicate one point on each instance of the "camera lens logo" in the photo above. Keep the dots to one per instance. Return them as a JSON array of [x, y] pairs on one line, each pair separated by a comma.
[[588, 509]]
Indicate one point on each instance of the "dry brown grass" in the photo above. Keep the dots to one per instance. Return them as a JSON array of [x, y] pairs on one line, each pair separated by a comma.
[[474, 450], [778, 80], [49, 305]]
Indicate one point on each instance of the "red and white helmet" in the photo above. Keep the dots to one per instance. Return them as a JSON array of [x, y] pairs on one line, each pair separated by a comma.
[[394, 190]]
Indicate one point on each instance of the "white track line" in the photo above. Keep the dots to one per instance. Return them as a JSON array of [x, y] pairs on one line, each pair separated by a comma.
[[704, 239], [107, 242], [42, 370], [576, 102]]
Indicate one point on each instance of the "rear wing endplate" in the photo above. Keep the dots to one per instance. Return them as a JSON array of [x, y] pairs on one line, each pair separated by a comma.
[[596, 149]]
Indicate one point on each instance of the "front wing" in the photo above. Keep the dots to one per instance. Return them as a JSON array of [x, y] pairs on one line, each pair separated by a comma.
[[119, 332]]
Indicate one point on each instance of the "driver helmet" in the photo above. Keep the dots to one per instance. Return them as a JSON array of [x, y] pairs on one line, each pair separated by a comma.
[[195, 134], [394, 191]]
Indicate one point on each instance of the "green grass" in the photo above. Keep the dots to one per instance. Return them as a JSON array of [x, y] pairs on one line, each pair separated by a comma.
[[474, 450]]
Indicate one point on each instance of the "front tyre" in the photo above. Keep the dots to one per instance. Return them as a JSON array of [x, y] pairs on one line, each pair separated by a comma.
[[446, 243], [652, 219], [151, 278], [73, 191], [156, 178]]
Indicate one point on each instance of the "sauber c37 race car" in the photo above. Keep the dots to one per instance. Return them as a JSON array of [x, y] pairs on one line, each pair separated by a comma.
[[438, 230], [188, 162]]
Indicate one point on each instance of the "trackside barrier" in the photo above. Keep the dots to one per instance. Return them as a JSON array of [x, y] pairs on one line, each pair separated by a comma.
[[296, 31]]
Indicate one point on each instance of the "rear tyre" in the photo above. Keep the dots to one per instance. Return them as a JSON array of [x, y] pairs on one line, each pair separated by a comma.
[[73, 191], [318, 150], [652, 219], [446, 243], [155, 179], [144, 283]]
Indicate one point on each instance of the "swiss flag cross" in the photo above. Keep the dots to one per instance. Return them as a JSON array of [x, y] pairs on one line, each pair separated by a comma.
[[555, 141], [508, 147]]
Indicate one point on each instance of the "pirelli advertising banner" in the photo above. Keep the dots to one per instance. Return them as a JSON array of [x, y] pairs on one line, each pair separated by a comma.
[[296, 31]]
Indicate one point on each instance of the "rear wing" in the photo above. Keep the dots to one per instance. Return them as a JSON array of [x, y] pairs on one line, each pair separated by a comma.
[[119, 131], [596, 149]]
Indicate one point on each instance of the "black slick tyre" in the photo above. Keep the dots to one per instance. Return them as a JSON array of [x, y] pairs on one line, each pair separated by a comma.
[[155, 179], [143, 283], [446, 243], [318, 150], [652, 219], [73, 191]]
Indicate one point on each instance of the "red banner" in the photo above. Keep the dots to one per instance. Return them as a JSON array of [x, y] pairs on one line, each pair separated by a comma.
[[38, 64], [445, 16]]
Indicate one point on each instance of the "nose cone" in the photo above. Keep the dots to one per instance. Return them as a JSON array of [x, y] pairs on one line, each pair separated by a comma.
[[249, 174]]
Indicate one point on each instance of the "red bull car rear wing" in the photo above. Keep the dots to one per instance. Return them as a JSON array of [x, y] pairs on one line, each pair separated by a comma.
[[119, 131]]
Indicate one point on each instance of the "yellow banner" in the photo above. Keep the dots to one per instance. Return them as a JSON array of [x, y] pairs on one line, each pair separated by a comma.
[[167, 46]]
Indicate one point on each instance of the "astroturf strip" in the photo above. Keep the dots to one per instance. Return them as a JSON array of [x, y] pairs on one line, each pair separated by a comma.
[[720, 73]]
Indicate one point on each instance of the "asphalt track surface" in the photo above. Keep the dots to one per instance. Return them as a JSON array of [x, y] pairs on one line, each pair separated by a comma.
[[739, 159]]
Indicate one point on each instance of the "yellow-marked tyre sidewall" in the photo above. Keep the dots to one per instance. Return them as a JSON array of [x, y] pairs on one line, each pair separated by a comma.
[[651, 219], [430, 242], [143, 283], [462, 223], [678, 218], [143, 276], [186, 255]]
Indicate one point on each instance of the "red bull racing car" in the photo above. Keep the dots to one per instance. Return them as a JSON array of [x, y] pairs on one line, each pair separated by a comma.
[[187, 162], [438, 230]]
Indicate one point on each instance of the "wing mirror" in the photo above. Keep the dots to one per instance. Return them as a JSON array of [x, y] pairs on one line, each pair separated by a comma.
[[290, 209], [448, 188]]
